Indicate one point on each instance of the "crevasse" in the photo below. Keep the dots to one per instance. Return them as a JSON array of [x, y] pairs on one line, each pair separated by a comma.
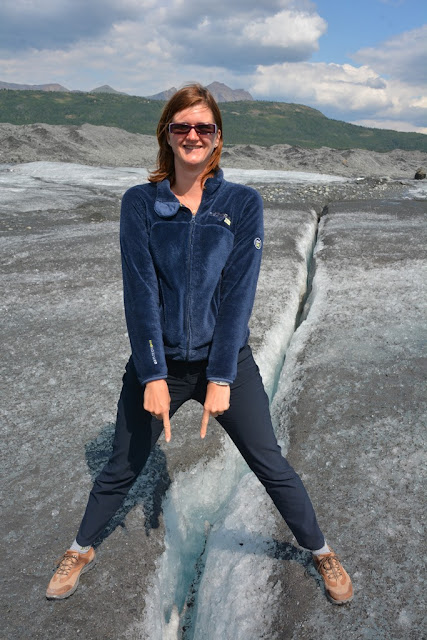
[[197, 503]]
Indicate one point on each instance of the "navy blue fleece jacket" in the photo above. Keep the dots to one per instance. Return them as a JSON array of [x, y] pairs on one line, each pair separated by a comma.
[[190, 280]]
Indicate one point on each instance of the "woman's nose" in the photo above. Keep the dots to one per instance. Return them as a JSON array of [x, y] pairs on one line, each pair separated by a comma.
[[192, 134]]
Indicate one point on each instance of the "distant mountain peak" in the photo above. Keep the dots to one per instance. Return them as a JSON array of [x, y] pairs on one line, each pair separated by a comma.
[[163, 95], [105, 88], [222, 93], [219, 90]]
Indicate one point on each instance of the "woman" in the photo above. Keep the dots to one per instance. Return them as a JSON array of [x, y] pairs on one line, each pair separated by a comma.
[[191, 251]]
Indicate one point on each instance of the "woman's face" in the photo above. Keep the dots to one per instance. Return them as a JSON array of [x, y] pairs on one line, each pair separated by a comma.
[[192, 150]]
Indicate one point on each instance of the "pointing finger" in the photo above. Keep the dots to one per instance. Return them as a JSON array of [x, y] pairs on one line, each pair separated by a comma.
[[205, 420], [166, 426]]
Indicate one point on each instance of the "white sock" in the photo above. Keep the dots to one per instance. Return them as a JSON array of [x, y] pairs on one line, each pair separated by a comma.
[[76, 547], [324, 549]]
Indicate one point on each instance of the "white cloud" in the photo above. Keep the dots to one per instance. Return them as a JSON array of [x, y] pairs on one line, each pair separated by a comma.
[[419, 102], [389, 87], [192, 38], [321, 84], [402, 57], [41, 24], [145, 46], [287, 29], [395, 125], [232, 34], [241, 37]]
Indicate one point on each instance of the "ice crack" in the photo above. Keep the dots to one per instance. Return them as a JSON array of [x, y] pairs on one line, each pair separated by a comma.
[[194, 510]]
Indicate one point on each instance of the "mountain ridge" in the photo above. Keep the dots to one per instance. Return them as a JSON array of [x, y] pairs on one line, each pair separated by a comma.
[[12, 86], [220, 91], [244, 122]]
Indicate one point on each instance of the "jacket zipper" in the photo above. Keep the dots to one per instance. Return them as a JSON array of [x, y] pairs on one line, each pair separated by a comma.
[[189, 264]]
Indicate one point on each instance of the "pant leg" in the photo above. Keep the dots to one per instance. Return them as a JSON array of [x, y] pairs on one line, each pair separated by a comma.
[[248, 423], [136, 434]]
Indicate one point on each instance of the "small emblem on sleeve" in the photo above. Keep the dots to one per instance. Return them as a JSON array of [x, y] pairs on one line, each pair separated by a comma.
[[153, 353], [257, 243]]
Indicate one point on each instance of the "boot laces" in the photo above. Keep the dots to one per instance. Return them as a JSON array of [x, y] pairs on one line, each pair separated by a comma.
[[66, 563], [331, 566]]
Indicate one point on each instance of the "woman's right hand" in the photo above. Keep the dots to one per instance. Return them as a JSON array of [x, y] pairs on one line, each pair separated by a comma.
[[157, 402], [216, 402]]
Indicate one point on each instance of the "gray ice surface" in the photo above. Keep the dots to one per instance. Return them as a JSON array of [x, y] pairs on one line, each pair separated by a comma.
[[353, 401], [65, 347], [349, 406]]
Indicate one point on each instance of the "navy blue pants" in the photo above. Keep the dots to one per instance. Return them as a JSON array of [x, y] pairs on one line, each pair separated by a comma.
[[247, 422]]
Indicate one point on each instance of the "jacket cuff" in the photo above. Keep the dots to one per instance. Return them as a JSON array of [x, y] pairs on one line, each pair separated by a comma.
[[220, 379], [152, 379]]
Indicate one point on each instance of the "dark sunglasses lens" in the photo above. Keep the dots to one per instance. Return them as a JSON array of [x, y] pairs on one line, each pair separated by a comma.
[[201, 129], [178, 127], [205, 129]]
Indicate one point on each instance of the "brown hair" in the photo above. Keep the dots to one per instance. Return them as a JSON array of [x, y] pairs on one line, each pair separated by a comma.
[[186, 97]]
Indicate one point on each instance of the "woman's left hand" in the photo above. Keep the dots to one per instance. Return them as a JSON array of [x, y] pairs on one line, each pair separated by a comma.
[[216, 402]]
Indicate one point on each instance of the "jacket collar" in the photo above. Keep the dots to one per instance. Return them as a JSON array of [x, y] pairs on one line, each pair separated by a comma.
[[167, 204]]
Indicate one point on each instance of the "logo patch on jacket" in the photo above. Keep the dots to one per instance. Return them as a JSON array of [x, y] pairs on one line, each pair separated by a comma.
[[258, 243], [223, 217]]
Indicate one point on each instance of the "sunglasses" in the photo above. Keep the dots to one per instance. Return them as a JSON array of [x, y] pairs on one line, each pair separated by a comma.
[[202, 129]]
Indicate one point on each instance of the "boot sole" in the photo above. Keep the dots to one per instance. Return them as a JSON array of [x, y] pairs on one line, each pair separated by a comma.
[[69, 593], [339, 602]]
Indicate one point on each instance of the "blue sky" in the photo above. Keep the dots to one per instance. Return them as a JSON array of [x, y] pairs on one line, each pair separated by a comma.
[[362, 62], [353, 25]]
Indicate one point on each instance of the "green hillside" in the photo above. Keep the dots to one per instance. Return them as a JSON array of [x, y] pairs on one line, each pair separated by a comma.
[[263, 123]]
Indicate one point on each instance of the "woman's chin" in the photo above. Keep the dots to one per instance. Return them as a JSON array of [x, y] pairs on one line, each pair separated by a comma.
[[194, 160]]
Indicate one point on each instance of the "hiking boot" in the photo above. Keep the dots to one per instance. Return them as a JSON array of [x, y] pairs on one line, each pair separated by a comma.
[[339, 589], [65, 580]]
